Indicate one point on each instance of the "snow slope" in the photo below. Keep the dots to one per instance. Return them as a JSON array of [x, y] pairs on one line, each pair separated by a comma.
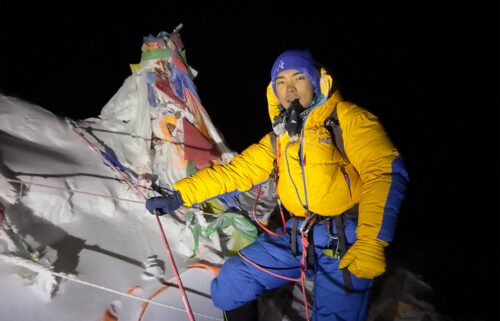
[[74, 229], [94, 238]]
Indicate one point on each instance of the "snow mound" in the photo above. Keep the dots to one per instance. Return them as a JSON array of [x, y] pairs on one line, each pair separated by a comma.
[[75, 236]]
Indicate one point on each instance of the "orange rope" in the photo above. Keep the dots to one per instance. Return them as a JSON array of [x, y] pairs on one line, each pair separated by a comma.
[[212, 268], [145, 304]]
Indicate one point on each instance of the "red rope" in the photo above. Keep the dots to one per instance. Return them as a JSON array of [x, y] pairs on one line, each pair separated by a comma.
[[267, 271], [303, 269], [262, 226], [304, 241], [174, 268], [279, 204], [165, 241]]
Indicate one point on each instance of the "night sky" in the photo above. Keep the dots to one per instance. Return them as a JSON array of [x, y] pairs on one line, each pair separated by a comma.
[[430, 72]]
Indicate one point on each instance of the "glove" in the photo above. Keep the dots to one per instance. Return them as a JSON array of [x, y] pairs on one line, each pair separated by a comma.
[[164, 204], [365, 259]]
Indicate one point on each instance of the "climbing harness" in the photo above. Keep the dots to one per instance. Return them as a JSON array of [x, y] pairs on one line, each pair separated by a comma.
[[306, 230]]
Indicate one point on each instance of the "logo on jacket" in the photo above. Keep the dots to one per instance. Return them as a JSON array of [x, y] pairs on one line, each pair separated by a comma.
[[325, 140]]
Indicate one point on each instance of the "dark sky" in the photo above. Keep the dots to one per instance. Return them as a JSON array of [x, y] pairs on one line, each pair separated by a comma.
[[429, 71]]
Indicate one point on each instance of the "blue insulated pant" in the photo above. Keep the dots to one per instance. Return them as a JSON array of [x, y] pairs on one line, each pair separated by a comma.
[[239, 282]]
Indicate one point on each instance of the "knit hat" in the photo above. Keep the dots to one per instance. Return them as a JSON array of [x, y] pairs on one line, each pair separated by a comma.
[[301, 60]]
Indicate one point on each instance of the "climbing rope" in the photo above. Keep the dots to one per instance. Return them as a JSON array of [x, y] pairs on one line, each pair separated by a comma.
[[119, 170], [304, 240], [66, 277], [303, 269], [21, 182], [262, 226]]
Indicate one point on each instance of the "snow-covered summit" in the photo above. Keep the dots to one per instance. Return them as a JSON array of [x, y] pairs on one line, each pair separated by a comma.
[[73, 195]]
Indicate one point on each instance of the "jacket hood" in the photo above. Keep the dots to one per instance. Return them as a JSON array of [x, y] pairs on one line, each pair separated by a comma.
[[328, 90]]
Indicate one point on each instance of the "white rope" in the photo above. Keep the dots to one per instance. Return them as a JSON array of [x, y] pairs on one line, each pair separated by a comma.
[[39, 268], [72, 190], [64, 276]]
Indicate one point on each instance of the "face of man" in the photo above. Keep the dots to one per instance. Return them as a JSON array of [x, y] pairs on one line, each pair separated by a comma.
[[291, 84]]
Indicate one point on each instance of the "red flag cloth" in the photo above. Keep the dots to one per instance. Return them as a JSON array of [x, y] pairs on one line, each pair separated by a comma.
[[179, 63], [164, 85], [197, 147]]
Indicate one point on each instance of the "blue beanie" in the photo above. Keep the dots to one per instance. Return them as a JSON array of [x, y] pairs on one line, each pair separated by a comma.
[[301, 60]]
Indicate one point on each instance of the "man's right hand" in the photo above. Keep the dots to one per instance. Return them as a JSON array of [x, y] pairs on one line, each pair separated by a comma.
[[164, 204]]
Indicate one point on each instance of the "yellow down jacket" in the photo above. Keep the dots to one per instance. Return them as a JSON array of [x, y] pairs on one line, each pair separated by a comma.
[[312, 174]]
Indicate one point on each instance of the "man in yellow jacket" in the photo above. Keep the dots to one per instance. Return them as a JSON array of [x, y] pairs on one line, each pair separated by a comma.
[[343, 194]]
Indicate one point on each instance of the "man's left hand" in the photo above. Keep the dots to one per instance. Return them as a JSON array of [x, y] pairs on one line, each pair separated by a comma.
[[365, 259], [161, 205]]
